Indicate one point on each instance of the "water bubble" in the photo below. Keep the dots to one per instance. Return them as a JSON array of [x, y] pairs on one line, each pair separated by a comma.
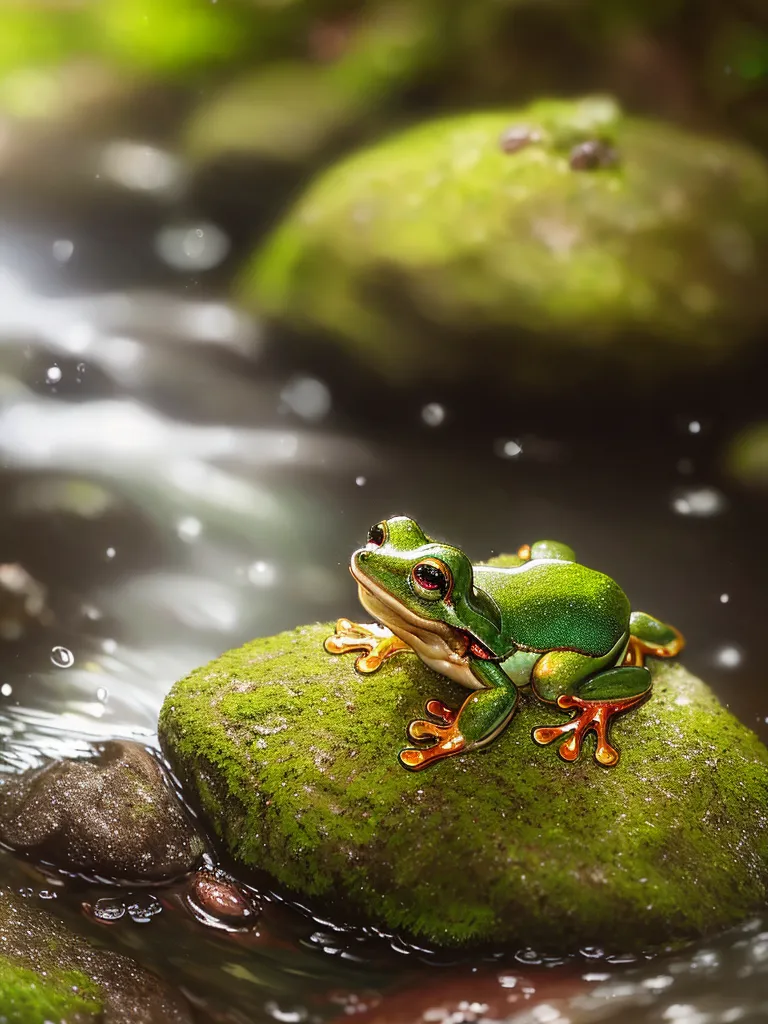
[[109, 646], [694, 427], [53, 375], [262, 574], [307, 397], [62, 249], [189, 528], [102, 694], [360, 481], [62, 657], [91, 612], [725, 598], [728, 656], [109, 908], [699, 502], [192, 246], [81, 367], [6, 690], [433, 414], [111, 552]]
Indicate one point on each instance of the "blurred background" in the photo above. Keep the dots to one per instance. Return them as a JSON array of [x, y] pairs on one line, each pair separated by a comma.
[[272, 270]]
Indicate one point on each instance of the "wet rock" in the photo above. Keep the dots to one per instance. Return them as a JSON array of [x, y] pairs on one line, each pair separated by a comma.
[[212, 895], [292, 757], [116, 816], [47, 973], [543, 247]]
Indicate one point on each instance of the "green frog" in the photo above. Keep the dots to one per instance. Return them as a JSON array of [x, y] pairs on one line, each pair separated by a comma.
[[543, 621]]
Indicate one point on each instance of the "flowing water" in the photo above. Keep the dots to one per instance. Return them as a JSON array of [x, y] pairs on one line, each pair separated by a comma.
[[179, 486]]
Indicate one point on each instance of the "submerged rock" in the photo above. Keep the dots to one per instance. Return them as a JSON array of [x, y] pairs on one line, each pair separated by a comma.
[[496, 240], [292, 756], [115, 817], [49, 974]]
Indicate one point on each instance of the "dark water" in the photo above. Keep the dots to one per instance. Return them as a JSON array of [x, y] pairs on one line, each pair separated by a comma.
[[180, 486]]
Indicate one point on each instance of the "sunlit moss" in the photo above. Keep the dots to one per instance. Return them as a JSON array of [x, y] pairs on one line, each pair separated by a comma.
[[294, 758]]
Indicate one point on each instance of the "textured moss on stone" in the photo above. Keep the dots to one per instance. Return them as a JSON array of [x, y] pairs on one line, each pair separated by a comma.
[[48, 973], [27, 997], [410, 250], [293, 757]]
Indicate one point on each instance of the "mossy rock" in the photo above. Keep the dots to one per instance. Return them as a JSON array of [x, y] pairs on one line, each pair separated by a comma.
[[292, 757], [47, 973], [440, 251]]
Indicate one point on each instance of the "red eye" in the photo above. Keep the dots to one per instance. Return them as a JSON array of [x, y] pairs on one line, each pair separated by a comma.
[[376, 535], [431, 577]]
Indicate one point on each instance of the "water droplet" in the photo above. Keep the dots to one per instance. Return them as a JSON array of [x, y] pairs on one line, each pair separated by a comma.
[[262, 574], [139, 167], [189, 528], [728, 657], [433, 414], [111, 552], [62, 249], [699, 502], [62, 657], [360, 481], [102, 695], [91, 612], [143, 908], [694, 427], [307, 397], [6, 689], [508, 449], [725, 598], [285, 1016], [53, 375], [192, 246], [109, 646], [81, 367]]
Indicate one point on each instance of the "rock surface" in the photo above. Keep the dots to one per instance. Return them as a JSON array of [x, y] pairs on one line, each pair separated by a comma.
[[563, 227], [115, 817], [47, 973], [293, 758]]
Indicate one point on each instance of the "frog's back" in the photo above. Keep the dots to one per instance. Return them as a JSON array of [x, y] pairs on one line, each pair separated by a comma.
[[549, 605]]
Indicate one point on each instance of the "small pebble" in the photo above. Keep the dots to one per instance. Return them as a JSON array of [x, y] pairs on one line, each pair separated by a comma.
[[592, 155]]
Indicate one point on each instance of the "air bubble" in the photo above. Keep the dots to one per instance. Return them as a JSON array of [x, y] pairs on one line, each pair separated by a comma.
[[53, 375], [62, 657]]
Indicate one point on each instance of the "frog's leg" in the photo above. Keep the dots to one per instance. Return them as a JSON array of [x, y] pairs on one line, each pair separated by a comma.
[[478, 721], [597, 688], [377, 641], [649, 636]]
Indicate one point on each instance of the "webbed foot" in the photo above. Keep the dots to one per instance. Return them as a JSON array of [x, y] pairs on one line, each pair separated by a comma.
[[595, 716], [450, 742], [377, 642]]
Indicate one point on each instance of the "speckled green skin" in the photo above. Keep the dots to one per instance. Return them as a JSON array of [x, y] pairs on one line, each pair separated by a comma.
[[434, 253], [289, 753]]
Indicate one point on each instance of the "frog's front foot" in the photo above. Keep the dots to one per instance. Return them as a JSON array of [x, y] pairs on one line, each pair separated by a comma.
[[377, 642], [594, 716], [449, 739]]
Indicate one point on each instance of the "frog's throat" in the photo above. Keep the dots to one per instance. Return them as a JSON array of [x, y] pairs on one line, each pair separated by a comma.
[[440, 646]]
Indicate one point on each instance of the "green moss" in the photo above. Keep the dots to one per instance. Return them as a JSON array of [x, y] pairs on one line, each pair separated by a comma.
[[293, 756], [410, 249], [27, 997]]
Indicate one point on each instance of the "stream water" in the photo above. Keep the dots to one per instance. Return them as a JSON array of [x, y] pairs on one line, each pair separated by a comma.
[[179, 486]]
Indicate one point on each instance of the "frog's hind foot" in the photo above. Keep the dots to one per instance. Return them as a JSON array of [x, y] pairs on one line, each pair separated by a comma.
[[594, 716], [450, 742], [377, 642], [651, 637]]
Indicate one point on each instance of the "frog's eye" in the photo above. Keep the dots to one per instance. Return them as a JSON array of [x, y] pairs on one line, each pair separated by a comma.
[[376, 535], [431, 579]]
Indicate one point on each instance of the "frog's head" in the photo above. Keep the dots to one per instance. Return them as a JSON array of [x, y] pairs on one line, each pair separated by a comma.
[[405, 576]]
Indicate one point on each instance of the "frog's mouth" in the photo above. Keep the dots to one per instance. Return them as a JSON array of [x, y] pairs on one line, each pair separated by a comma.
[[442, 641]]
